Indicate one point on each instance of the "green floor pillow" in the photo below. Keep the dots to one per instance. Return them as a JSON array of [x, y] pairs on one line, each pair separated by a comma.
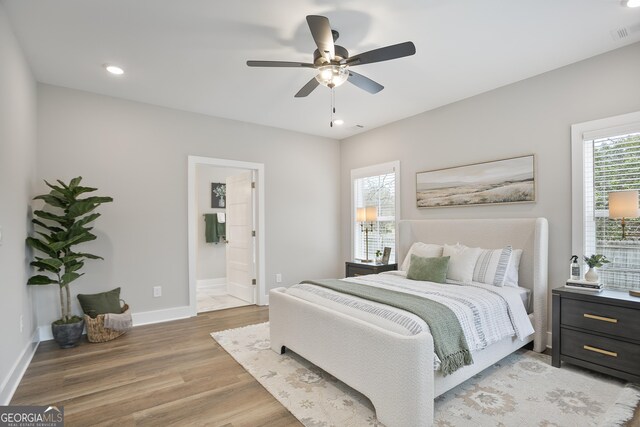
[[105, 302]]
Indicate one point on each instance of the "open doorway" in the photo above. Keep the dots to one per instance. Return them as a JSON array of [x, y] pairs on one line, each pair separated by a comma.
[[226, 242]]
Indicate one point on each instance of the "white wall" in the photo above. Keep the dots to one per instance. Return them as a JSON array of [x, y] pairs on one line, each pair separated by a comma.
[[531, 116], [211, 258], [137, 153], [17, 176]]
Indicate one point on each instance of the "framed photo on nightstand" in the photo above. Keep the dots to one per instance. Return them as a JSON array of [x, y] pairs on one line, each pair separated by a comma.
[[386, 253]]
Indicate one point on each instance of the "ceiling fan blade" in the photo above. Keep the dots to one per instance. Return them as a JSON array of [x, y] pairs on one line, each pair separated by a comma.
[[308, 88], [364, 83], [279, 64], [382, 54], [321, 32]]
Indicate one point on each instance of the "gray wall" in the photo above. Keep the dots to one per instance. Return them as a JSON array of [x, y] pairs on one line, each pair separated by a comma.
[[137, 153], [17, 176], [531, 116]]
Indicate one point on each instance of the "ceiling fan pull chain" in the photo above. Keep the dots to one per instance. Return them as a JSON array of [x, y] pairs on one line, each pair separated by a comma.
[[333, 108]]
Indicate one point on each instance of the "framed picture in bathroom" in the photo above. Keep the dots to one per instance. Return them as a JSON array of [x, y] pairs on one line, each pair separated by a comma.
[[218, 195]]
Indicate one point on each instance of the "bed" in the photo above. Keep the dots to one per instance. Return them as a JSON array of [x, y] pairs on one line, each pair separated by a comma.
[[396, 371]]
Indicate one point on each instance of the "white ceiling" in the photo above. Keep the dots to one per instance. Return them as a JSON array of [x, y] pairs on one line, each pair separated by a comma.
[[191, 54]]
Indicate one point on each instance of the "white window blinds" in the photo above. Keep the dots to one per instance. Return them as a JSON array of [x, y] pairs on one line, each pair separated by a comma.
[[612, 163], [376, 186]]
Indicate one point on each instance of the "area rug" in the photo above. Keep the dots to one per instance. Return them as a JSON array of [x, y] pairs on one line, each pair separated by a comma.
[[521, 390]]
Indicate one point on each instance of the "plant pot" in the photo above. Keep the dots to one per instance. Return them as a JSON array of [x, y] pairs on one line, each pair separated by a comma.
[[591, 275], [67, 335]]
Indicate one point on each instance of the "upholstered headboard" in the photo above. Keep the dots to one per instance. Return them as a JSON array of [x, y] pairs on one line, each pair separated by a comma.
[[529, 234]]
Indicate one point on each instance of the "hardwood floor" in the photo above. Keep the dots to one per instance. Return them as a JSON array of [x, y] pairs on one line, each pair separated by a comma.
[[164, 374], [169, 373]]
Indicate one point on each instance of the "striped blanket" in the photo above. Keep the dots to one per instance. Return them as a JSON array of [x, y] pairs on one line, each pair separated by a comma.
[[449, 341], [487, 314]]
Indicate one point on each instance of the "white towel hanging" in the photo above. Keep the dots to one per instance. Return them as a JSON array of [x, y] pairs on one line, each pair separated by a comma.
[[221, 217]]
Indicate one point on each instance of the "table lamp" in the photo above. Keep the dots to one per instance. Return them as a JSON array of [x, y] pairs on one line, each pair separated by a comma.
[[623, 204]]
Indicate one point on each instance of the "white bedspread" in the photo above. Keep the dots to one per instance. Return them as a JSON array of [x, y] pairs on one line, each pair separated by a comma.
[[486, 313]]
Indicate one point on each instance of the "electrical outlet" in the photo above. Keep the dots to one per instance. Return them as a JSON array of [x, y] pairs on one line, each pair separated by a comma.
[[157, 291], [279, 278], [21, 323]]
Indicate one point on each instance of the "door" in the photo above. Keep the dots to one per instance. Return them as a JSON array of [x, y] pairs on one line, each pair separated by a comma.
[[239, 219]]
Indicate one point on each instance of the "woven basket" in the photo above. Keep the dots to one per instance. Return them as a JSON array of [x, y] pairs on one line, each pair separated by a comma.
[[96, 332]]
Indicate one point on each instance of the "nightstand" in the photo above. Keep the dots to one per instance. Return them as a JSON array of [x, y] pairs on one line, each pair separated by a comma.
[[357, 268], [597, 330]]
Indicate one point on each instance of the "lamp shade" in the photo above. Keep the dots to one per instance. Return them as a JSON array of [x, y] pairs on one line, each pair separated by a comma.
[[623, 204], [368, 214], [372, 213]]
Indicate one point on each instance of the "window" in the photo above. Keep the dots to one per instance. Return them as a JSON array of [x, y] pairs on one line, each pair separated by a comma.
[[376, 186], [606, 158]]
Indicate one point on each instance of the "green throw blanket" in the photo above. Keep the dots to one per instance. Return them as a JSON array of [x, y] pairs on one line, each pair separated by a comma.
[[448, 339]]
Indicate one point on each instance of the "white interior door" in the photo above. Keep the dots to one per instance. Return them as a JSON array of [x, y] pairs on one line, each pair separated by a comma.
[[239, 219]]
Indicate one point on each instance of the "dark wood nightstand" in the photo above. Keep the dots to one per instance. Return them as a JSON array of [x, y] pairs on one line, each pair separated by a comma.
[[597, 330], [357, 268]]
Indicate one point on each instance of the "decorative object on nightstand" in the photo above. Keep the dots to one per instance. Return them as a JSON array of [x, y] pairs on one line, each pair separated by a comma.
[[360, 268], [598, 331], [364, 216], [584, 285], [623, 204], [574, 267], [594, 261], [386, 255]]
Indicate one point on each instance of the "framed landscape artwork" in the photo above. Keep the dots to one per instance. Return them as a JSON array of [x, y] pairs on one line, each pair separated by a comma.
[[501, 181]]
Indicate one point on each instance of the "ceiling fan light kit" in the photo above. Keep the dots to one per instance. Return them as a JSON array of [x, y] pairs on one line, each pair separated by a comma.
[[332, 61], [332, 75]]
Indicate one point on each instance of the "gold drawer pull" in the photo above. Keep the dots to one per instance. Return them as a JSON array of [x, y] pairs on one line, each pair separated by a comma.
[[604, 319], [601, 351]]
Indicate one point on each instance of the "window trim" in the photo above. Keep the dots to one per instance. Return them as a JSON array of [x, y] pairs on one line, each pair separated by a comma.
[[624, 123], [379, 169]]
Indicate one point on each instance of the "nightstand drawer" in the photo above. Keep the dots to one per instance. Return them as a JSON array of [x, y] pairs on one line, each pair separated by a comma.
[[608, 352], [360, 271], [604, 318]]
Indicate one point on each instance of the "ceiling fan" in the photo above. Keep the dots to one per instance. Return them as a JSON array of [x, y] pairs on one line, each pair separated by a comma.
[[334, 63]]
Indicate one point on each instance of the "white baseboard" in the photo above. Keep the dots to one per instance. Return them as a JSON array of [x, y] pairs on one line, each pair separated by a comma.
[[44, 333], [11, 382], [139, 319], [159, 316], [549, 339], [265, 300], [211, 282]]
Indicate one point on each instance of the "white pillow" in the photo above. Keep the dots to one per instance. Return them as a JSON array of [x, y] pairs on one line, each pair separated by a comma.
[[491, 267], [462, 262], [512, 270], [424, 250]]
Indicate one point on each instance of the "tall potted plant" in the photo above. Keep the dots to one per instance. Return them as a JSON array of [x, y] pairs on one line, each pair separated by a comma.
[[60, 227]]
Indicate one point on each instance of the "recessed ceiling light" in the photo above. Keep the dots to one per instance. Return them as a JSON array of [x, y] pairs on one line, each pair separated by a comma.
[[113, 69], [338, 122], [631, 3]]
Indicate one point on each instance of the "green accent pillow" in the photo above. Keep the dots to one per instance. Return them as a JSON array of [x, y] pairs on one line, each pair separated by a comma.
[[428, 269], [105, 302]]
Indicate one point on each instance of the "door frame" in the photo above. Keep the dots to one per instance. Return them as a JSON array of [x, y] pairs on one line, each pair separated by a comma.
[[192, 211]]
